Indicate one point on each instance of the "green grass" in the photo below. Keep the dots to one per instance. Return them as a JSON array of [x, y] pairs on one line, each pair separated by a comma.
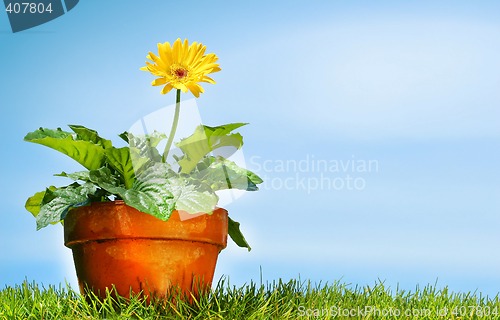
[[277, 300]]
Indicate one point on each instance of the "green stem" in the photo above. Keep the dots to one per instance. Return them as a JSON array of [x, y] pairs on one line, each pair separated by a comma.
[[174, 125]]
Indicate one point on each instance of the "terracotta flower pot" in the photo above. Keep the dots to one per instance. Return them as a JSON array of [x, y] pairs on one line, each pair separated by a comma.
[[116, 245]]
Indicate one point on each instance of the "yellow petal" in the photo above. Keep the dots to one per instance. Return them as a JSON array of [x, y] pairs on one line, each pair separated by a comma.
[[159, 82], [165, 51], [185, 49], [195, 89], [207, 68], [157, 60], [192, 52], [208, 79], [166, 89], [199, 55], [182, 86], [176, 51]]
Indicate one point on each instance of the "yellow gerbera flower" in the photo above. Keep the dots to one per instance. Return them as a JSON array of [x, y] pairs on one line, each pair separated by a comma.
[[182, 66]]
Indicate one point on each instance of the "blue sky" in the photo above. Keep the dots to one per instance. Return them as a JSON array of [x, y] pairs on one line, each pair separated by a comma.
[[410, 85]]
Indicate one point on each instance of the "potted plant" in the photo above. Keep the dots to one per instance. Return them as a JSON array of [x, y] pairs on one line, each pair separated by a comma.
[[135, 221]]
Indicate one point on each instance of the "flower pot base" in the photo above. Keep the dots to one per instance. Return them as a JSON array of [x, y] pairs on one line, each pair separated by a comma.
[[145, 265]]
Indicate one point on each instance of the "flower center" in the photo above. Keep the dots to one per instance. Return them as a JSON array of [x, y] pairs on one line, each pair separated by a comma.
[[179, 72]]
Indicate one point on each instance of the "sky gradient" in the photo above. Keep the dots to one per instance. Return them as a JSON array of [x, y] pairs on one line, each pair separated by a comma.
[[411, 86]]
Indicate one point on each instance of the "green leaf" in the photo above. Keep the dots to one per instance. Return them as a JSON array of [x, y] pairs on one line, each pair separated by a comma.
[[190, 197], [34, 202], [121, 161], [144, 146], [206, 139], [149, 193], [104, 178], [158, 191], [215, 133], [90, 135], [88, 154], [75, 176], [99, 195], [49, 195], [236, 235], [124, 136], [64, 198], [222, 174], [154, 138]]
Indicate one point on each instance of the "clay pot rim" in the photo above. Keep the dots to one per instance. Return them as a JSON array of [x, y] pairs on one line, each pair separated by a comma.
[[73, 243], [76, 233]]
